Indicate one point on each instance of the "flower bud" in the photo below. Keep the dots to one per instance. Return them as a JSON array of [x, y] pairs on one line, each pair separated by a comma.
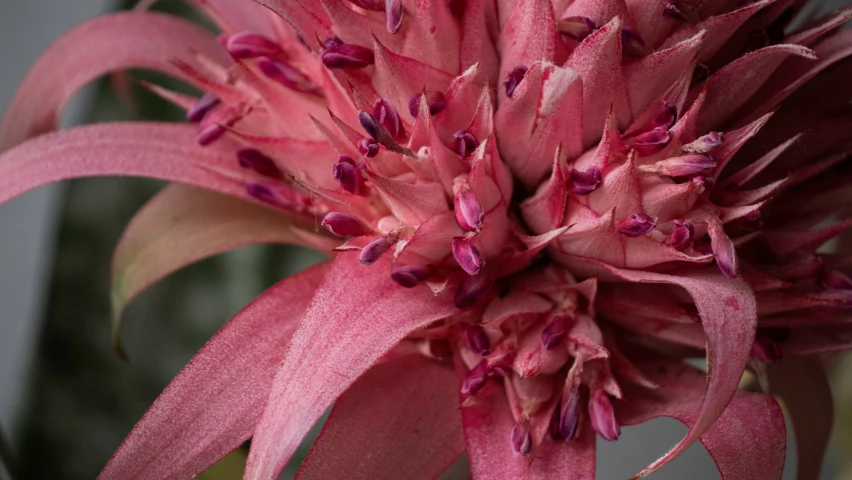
[[368, 147], [584, 183], [202, 107], [470, 290], [254, 159], [684, 166], [705, 144], [388, 117], [475, 379], [247, 45], [266, 194], [723, 248], [636, 225], [521, 439], [465, 143], [332, 41], [514, 78], [682, 235], [393, 11], [410, 275], [346, 172], [467, 255], [554, 333], [375, 249], [476, 340], [347, 55], [214, 125], [468, 210], [576, 28], [632, 44], [344, 225], [667, 116], [569, 414], [286, 75], [671, 11], [603, 416], [435, 100], [652, 142]]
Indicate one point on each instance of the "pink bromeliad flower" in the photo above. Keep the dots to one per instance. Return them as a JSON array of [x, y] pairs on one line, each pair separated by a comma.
[[539, 209]]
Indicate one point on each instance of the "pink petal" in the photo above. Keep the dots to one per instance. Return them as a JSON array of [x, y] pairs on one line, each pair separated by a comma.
[[89, 51], [310, 22], [213, 405], [235, 17], [410, 203], [400, 420], [433, 36], [476, 44], [356, 28], [356, 316], [529, 36]]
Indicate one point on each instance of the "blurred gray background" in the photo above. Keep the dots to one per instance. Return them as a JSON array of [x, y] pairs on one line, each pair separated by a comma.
[[66, 401]]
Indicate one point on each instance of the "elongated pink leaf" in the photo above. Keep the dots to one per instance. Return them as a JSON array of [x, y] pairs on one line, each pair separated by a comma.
[[212, 406], [356, 316], [184, 224], [750, 428], [148, 40], [400, 420]]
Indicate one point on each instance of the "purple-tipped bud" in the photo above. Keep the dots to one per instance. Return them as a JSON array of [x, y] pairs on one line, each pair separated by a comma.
[[475, 379], [584, 183], [213, 125], [286, 75], [266, 194], [521, 439], [410, 275], [577, 28], [254, 159], [388, 117], [368, 147], [652, 142], [636, 225], [467, 255], [554, 333], [202, 107], [766, 350], [569, 414], [393, 10], [332, 41], [435, 100], [346, 172], [514, 78], [372, 5], [476, 340], [603, 416], [723, 248], [632, 44], [347, 55], [465, 143], [376, 130], [469, 212], [375, 249], [682, 234], [684, 166], [470, 290], [251, 45], [667, 116], [344, 225], [671, 11], [705, 144]]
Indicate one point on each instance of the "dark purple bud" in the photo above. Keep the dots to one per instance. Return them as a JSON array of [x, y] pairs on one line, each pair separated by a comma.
[[705, 144], [375, 249], [723, 248], [702, 72], [393, 10], [632, 44], [214, 125], [286, 75], [368, 147], [577, 28], [554, 333], [435, 100], [514, 78], [636, 225], [652, 142], [469, 212], [603, 416], [332, 41], [372, 5], [202, 107], [667, 116], [521, 439], [476, 340], [266, 194], [766, 350], [684, 166], [346, 172], [388, 117], [671, 11], [553, 426], [254, 159], [347, 55], [470, 290], [344, 225], [410, 275], [682, 234], [569, 414], [475, 379], [465, 143], [376, 130], [251, 45], [467, 255], [584, 183]]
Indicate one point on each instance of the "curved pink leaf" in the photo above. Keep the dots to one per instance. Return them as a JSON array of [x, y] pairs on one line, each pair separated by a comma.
[[212, 406], [148, 40], [357, 315], [751, 427], [400, 420]]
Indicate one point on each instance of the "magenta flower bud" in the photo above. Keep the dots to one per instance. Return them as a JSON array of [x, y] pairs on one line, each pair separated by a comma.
[[286, 75], [667, 116], [202, 107], [469, 212], [476, 340], [521, 439], [652, 142], [266, 194], [214, 125], [393, 11], [576, 28], [388, 117], [344, 225], [346, 172], [671, 11], [376, 130], [705, 144], [475, 379], [332, 41], [435, 100], [636, 225], [375, 249], [684, 166], [465, 143], [347, 55], [514, 78], [603, 416], [766, 350], [410, 275], [251, 45], [254, 159], [372, 5], [569, 414], [554, 333], [632, 44], [467, 255], [470, 290], [584, 183], [682, 235], [368, 147], [723, 248]]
